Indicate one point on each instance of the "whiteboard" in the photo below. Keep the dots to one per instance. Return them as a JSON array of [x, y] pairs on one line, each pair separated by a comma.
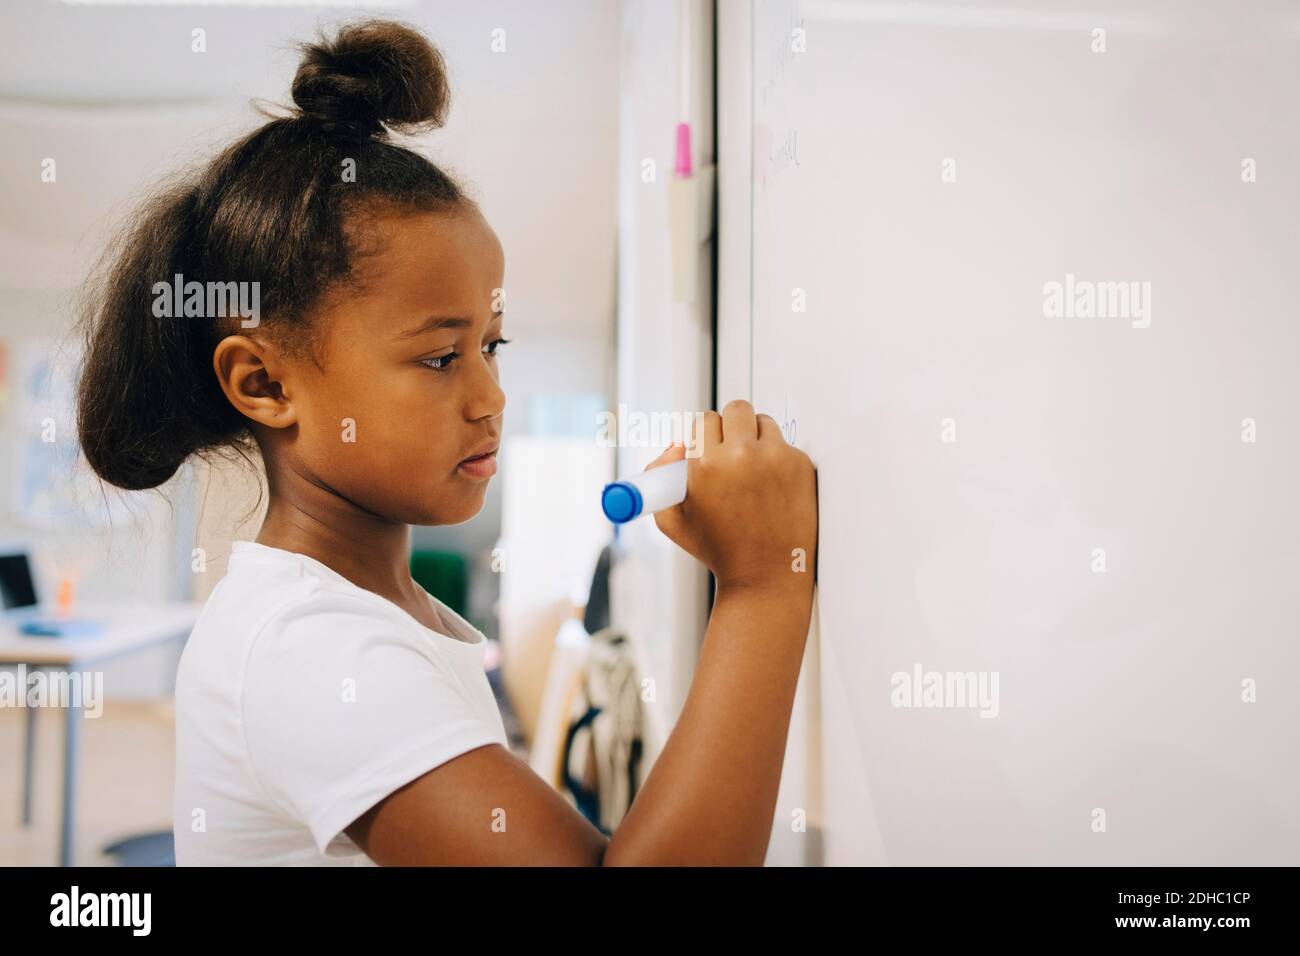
[[1026, 293]]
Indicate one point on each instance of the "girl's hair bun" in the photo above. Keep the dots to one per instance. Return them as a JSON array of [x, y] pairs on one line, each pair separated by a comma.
[[373, 72]]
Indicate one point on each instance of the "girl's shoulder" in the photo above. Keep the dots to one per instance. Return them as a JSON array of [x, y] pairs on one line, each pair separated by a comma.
[[278, 603]]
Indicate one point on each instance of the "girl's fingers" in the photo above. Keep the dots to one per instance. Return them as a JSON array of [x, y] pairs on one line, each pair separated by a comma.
[[739, 425], [674, 452]]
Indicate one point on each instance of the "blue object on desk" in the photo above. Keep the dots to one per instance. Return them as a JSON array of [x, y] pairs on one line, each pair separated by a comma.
[[60, 627]]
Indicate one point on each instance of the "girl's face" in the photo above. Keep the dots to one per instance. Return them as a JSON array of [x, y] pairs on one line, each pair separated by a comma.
[[410, 387]]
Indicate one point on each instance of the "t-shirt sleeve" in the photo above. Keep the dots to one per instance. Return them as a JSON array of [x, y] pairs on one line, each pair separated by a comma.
[[342, 705]]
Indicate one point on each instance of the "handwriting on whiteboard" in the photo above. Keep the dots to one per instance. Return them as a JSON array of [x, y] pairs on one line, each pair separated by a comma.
[[785, 152], [789, 427], [778, 56], [776, 154]]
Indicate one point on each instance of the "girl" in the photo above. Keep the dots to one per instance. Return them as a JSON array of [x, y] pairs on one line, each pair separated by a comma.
[[329, 710]]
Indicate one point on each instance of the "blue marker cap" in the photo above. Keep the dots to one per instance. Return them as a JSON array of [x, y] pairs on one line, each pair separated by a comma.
[[621, 501]]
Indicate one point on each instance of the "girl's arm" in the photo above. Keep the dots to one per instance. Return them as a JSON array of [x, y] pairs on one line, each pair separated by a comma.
[[750, 516], [711, 796], [709, 799]]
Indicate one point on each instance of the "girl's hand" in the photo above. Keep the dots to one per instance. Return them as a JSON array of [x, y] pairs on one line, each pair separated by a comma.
[[750, 514]]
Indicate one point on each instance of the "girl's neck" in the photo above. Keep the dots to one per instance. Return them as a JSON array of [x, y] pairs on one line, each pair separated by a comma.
[[372, 554]]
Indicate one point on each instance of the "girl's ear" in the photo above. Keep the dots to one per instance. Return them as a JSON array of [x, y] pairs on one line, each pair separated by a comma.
[[249, 372]]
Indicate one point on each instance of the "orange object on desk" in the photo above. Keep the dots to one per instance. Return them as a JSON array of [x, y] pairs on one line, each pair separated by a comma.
[[64, 598]]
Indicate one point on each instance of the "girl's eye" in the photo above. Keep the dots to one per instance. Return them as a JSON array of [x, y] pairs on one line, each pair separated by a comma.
[[443, 362], [440, 362]]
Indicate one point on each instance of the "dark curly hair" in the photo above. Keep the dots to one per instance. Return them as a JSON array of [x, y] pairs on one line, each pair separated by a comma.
[[272, 208]]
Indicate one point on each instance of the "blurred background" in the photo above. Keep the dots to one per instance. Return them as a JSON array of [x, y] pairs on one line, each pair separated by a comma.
[[555, 109]]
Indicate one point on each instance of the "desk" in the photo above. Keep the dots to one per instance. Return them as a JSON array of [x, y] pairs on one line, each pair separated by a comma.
[[127, 627]]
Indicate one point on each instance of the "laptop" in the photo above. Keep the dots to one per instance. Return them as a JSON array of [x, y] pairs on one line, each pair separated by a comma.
[[20, 603]]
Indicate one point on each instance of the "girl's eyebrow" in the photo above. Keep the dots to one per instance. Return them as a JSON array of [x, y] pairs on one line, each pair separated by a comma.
[[435, 323]]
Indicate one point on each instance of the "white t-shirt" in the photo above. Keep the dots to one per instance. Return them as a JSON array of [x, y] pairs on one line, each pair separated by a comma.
[[302, 700]]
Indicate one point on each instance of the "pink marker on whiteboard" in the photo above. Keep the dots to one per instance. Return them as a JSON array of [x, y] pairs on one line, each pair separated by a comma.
[[682, 165]]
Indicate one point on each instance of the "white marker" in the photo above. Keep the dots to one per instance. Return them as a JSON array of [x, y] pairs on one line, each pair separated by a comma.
[[646, 493]]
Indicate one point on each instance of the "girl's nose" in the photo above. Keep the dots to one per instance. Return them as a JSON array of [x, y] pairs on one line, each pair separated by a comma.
[[486, 397]]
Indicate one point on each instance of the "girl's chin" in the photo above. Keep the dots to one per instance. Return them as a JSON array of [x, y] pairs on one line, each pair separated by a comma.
[[468, 505]]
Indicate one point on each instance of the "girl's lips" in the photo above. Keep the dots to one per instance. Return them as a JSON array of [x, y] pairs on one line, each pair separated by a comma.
[[484, 466]]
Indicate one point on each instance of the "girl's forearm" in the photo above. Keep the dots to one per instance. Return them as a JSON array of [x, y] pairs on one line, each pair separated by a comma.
[[711, 796]]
